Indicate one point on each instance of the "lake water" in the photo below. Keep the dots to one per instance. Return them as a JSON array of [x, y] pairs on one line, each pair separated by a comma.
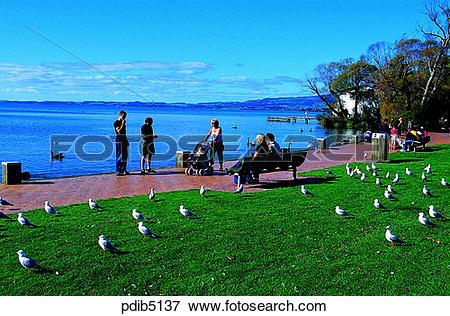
[[27, 131]]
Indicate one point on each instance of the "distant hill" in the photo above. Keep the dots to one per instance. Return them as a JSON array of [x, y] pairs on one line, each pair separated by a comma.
[[311, 104]]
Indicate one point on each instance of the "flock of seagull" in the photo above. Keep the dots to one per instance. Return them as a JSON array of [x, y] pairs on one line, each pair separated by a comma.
[[103, 241], [107, 246], [388, 194]]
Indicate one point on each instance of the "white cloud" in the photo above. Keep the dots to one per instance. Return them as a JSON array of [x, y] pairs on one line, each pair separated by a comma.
[[189, 81]]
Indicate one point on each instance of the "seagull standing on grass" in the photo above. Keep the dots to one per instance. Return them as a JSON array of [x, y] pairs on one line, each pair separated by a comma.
[[202, 190], [152, 194], [27, 262], [375, 173], [388, 195], [93, 205], [137, 216], [428, 168], [368, 168], [328, 171], [374, 166], [3, 202], [363, 177], [145, 231], [409, 172], [341, 212], [423, 176], [444, 182], [304, 190], [433, 213], [391, 237], [425, 190], [24, 221], [425, 221], [186, 212], [377, 181], [396, 178], [106, 245], [388, 174], [49, 209], [390, 189], [377, 204]]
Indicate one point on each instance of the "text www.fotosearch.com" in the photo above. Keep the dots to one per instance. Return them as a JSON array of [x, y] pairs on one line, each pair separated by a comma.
[[227, 306]]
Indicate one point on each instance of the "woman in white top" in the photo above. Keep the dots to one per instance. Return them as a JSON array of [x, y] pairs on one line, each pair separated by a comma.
[[216, 141]]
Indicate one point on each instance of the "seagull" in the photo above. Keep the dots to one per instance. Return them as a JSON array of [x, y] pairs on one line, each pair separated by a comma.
[[186, 212], [341, 212], [377, 204], [425, 190], [388, 174], [392, 238], [23, 220], [375, 173], [152, 194], [3, 215], [423, 176], [388, 195], [106, 245], [351, 173], [390, 189], [363, 177], [304, 190], [374, 166], [27, 262], [145, 231], [433, 213], [366, 155], [425, 221], [444, 182], [396, 178], [428, 168], [368, 169], [239, 189], [357, 170], [49, 209], [377, 181], [409, 172], [138, 216], [328, 171], [93, 205], [202, 190], [3, 202]]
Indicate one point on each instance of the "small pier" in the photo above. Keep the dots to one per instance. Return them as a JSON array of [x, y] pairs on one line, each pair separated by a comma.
[[289, 119]]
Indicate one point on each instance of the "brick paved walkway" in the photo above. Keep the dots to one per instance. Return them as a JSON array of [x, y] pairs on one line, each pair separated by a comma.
[[64, 191]]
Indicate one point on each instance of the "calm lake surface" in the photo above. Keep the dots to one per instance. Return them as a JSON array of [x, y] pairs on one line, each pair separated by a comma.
[[27, 131]]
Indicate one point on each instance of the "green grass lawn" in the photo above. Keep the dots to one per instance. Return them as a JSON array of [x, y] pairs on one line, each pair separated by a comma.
[[276, 242]]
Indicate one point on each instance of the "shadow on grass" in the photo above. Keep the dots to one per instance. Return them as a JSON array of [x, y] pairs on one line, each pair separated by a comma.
[[294, 183], [402, 161]]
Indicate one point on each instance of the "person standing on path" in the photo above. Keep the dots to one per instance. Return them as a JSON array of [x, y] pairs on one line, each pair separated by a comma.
[[147, 145], [121, 144], [216, 141]]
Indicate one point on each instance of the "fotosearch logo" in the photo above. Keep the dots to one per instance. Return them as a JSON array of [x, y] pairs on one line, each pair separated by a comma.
[[95, 148]]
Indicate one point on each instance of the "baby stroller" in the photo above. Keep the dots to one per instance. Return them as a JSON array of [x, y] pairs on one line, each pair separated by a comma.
[[198, 162]]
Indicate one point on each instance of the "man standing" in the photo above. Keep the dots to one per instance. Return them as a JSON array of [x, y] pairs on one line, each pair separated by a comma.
[[121, 144]]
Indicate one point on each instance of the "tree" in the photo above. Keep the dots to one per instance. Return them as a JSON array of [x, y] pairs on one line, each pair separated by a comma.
[[320, 83], [435, 55], [358, 81]]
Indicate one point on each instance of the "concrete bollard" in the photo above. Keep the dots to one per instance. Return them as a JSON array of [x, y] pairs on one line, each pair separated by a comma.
[[181, 158], [11, 173]]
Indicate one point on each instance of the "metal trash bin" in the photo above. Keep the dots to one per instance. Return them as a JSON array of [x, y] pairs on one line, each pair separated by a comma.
[[11, 172], [380, 147]]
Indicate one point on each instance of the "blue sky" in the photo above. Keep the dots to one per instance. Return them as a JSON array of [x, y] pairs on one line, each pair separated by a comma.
[[185, 51]]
